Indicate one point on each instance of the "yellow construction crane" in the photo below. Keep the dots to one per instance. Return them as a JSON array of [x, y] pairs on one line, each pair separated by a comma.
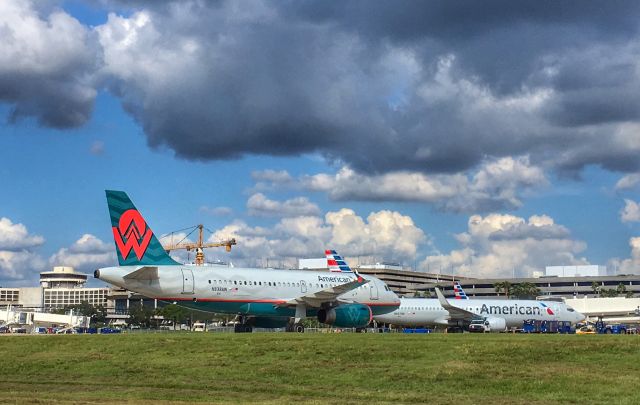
[[199, 245]]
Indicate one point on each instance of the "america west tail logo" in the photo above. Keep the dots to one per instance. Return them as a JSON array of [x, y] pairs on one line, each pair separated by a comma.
[[132, 233]]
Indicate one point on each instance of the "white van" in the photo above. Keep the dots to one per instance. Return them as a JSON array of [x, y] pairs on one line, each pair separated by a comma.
[[199, 327]]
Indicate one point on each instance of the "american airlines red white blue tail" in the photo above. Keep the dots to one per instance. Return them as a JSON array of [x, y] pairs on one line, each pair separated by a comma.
[[262, 298], [459, 292]]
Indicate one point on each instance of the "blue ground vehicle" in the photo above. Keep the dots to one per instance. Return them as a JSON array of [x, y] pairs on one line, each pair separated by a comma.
[[416, 330], [108, 330], [535, 326], [617, 329]]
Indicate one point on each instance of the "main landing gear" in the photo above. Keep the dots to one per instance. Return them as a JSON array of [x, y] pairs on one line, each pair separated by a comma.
[[295, 327], [242, 326]]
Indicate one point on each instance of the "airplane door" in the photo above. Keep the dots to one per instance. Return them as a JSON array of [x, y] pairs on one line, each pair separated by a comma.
[[187, 281], [373, 289], [303, 286]]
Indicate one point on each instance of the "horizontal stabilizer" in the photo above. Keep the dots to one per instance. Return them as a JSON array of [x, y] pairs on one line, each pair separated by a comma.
[[143, 273]]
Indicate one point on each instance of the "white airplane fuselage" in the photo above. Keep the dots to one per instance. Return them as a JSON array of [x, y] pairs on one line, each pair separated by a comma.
[[427, 311], [257, 292]]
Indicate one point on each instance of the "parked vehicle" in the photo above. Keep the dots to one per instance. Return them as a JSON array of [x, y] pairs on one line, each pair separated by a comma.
[[618, 329], [586, 330], [107, 330], [416, 330], [537, 326]]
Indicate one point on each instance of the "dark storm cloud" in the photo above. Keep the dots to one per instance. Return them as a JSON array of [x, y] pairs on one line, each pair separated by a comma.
[[436, 86], [47, 61]]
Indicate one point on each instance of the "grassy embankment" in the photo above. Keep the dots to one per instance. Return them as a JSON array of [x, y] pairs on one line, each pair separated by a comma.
[[336, 368]]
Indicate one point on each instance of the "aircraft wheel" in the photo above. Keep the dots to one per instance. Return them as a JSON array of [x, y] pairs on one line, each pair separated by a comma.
[[299, 328]]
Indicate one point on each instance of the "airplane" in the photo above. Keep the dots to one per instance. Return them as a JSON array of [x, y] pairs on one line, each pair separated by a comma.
[[260, 297], [492, 315]]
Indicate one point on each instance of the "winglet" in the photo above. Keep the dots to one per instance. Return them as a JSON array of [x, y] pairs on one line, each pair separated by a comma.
[[443, 301]]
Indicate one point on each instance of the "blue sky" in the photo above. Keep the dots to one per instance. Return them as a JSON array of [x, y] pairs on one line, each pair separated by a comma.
[[395, 144]]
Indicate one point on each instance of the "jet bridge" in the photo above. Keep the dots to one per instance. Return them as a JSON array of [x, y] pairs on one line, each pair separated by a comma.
[[32, 319]]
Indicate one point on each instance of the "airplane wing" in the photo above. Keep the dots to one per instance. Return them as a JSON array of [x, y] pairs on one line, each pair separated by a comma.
[[330, 294], [455, 313]]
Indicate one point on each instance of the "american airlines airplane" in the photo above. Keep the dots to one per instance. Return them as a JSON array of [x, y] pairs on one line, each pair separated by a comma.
[[493, 315], [261, 298]]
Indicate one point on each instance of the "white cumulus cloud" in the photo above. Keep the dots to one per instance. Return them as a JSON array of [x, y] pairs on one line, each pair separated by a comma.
[[85, 255], [259, 205], [632, 264], [498, 245], [18, 259], [16, 236], [382, 234], [496, 184], [630, 212]]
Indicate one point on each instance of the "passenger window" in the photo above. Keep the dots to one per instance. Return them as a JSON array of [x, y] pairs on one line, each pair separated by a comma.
[[235, 282], [209, 281]]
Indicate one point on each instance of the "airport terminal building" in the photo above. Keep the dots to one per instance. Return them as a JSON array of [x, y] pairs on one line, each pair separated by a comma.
[[59, 288], [562, 281]]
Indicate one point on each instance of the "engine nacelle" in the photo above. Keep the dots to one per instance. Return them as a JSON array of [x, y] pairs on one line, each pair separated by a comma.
[[496, 324], [346, 316]]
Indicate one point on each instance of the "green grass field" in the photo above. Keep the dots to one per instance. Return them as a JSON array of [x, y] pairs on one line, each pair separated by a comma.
[[323, 368]]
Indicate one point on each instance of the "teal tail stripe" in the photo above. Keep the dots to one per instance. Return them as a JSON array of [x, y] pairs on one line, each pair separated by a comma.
[[135, 243]]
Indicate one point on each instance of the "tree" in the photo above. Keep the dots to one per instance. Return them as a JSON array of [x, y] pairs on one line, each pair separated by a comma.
[[608, 292], [596, 288], [621, 289], [525, 290], [140, 315], [173, 312], [503, 286]]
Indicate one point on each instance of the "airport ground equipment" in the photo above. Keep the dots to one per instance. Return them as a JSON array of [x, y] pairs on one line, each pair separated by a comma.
[[616, 329], [416, 330], [32, 320], [536, 326]]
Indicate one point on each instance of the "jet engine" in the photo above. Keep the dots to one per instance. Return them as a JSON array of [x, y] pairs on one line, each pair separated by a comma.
[[496, 324], [346, 316]]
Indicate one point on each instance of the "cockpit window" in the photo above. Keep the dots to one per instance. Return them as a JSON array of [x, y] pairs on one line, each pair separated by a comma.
[[571, 309]]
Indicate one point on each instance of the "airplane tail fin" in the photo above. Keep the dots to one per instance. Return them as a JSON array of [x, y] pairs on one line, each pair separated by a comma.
[[459, 292], [336, 263], [135, 242]]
